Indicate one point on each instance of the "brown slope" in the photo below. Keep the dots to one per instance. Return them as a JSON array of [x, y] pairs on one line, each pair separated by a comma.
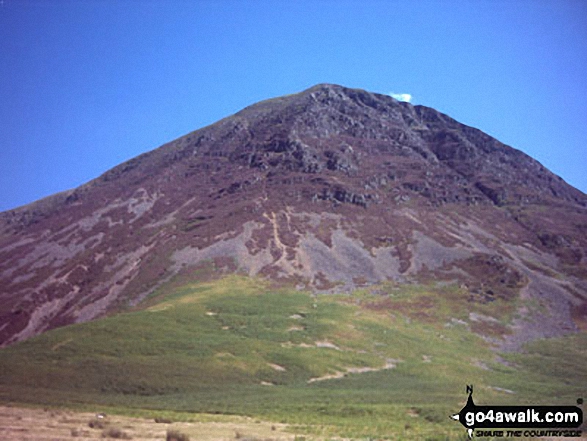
[[328, 188]]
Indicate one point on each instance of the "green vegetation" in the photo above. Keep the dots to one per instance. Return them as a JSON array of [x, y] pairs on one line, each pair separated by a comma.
[[384, 362]]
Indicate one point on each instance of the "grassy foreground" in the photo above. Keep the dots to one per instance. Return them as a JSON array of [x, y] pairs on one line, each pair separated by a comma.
[[386, 362]]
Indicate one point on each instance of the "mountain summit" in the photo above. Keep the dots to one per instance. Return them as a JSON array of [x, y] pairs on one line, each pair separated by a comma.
[[330, 189]]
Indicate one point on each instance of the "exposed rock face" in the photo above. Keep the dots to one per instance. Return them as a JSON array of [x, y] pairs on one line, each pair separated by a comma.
[[330, 188]]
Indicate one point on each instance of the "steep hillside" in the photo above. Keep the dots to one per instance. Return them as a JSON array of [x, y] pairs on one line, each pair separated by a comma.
[[387, 362], [330, 189]]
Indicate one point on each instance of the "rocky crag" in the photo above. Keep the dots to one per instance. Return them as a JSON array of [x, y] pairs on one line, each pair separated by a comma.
[[328, 189]]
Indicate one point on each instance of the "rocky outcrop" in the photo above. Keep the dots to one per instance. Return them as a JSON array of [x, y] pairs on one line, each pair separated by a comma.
[[330, 189]]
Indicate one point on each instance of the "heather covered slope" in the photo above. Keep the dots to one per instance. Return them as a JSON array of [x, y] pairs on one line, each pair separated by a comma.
[[387, 361], [329, 189]]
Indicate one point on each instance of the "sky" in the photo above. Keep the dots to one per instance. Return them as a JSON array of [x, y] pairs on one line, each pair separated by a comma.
[[88, 84]]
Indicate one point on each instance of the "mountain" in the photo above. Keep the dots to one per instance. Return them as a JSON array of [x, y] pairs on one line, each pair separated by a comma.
[[330, 189]]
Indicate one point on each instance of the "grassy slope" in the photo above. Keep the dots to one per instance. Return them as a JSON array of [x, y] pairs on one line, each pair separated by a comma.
[[236, 346]]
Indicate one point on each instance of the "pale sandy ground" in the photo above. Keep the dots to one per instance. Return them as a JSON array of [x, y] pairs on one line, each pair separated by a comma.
[[23, 424]]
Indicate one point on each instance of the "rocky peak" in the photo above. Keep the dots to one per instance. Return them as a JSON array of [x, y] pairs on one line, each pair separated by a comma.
[[328, 188], [333, 128]]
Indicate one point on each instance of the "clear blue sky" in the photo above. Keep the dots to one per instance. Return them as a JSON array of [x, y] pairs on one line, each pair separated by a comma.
[[85, 85]]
